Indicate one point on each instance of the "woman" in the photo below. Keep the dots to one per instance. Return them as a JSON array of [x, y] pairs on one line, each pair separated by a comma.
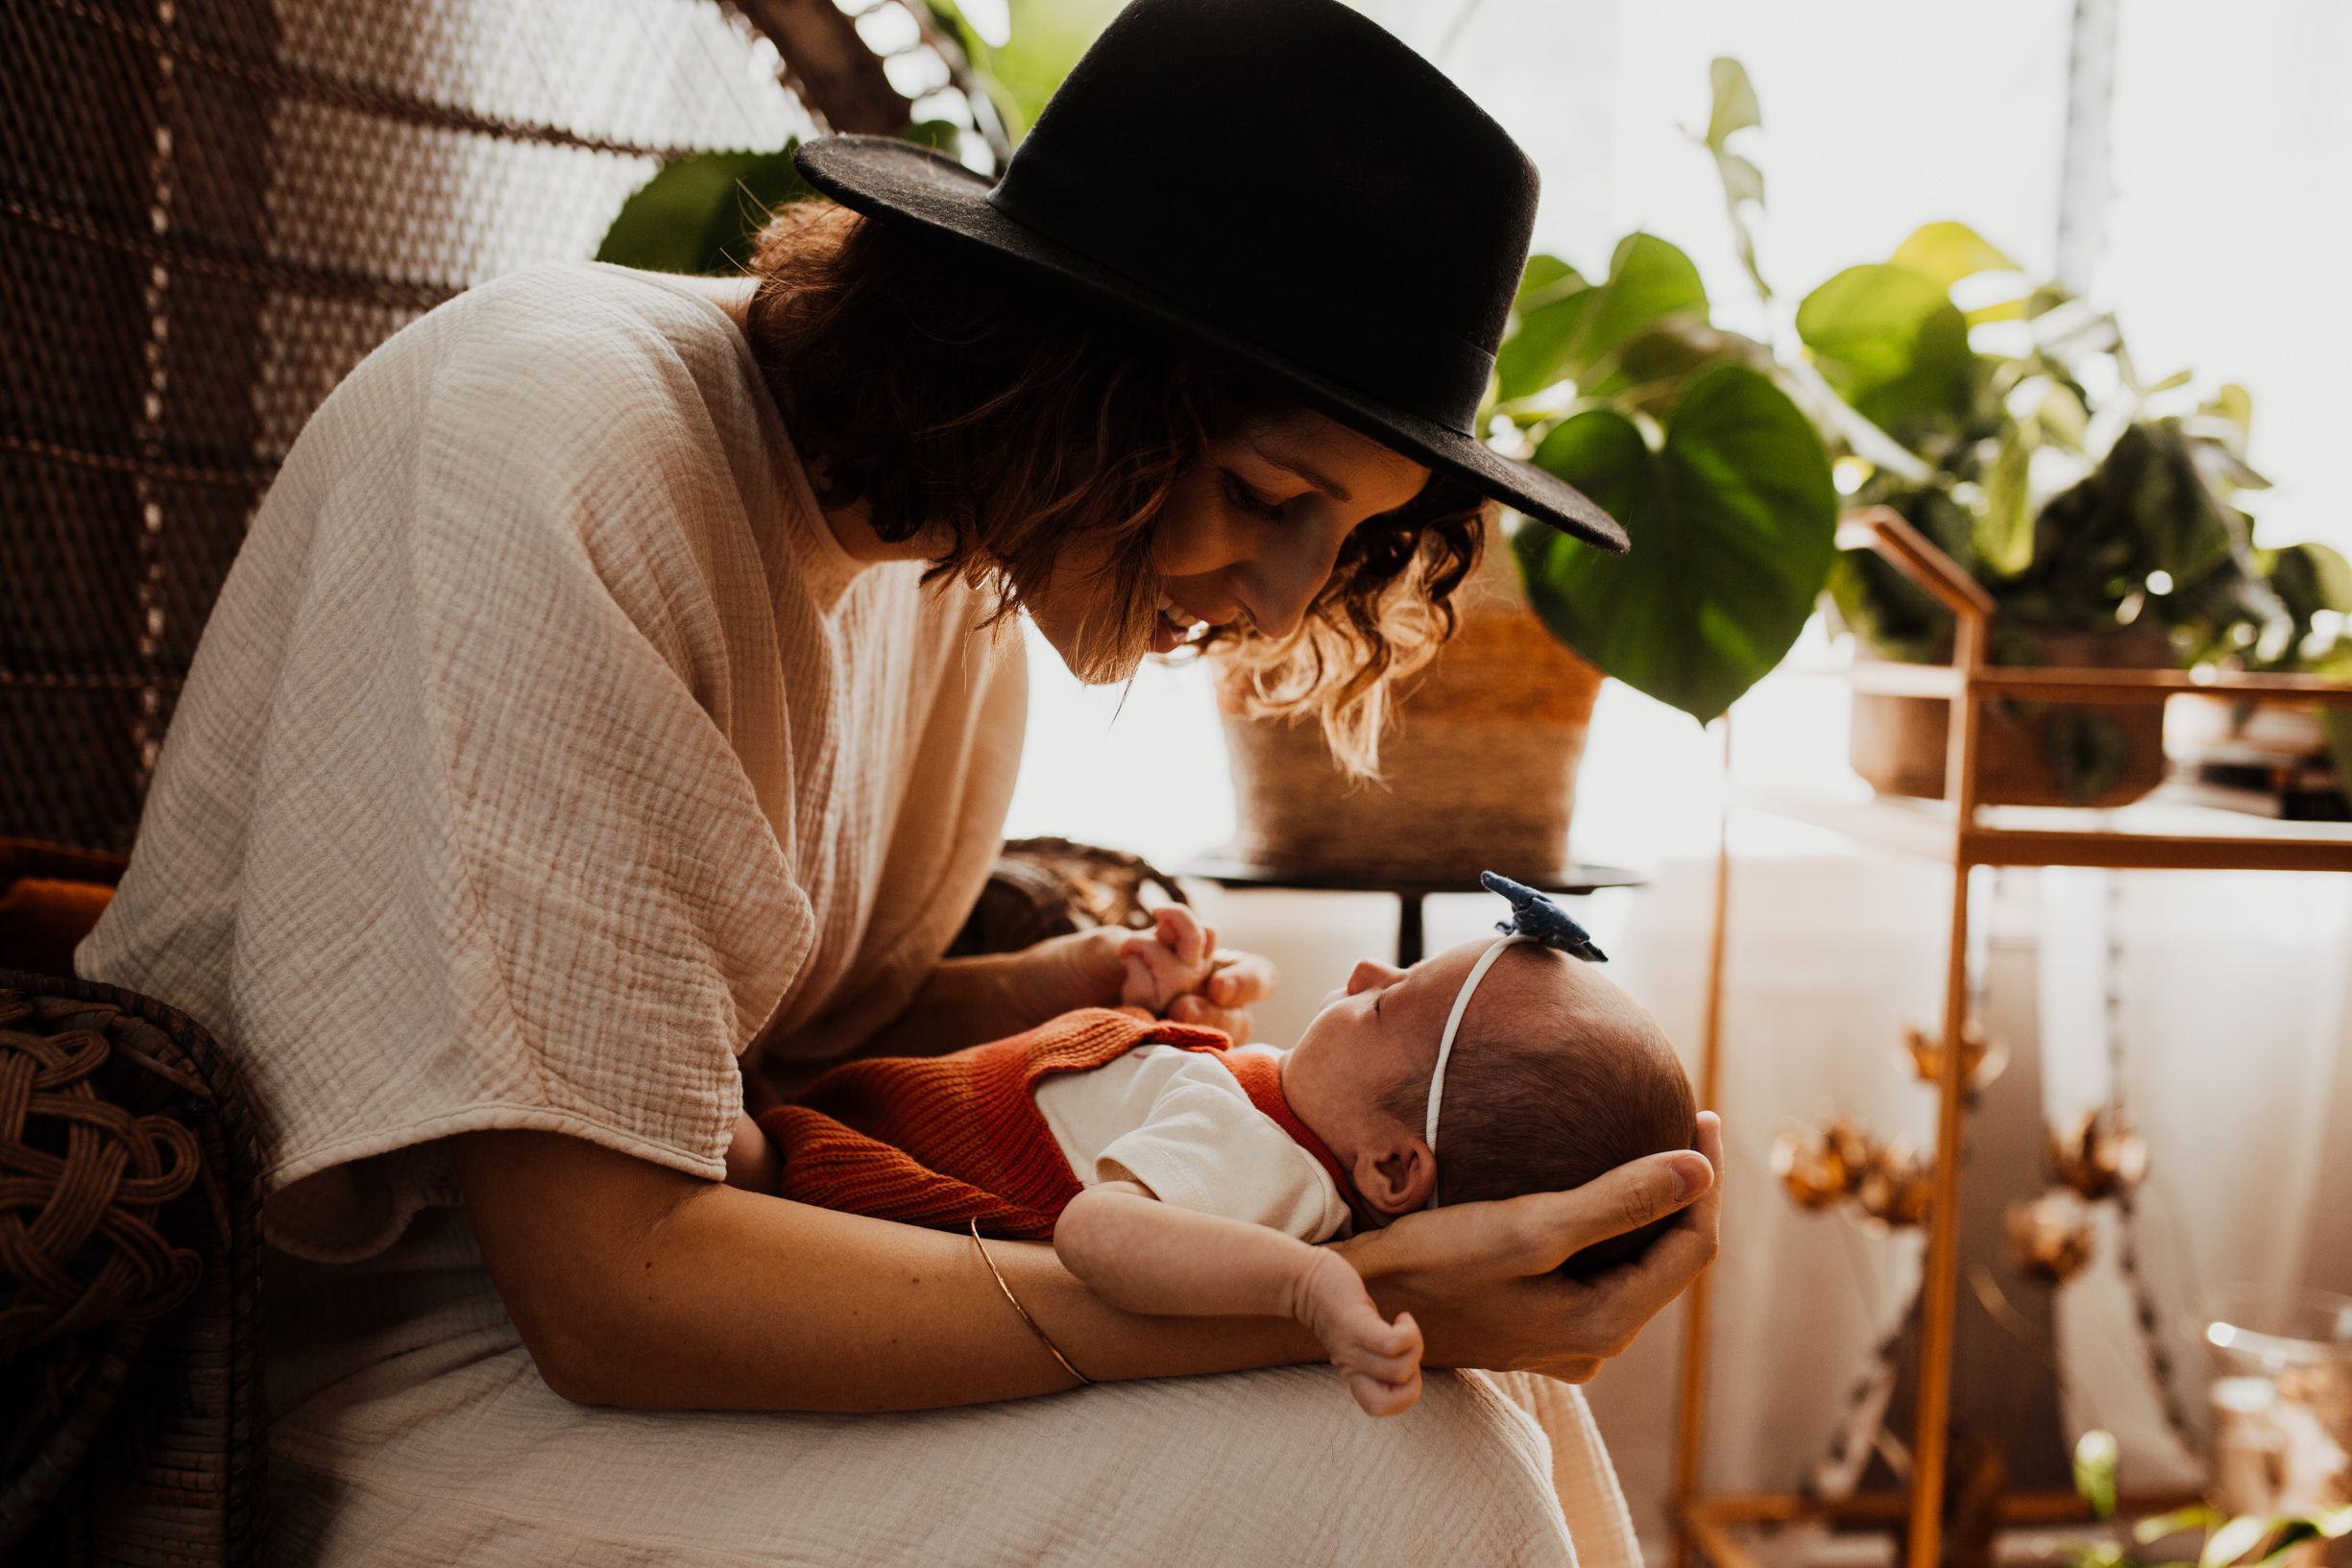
[[613, 684]]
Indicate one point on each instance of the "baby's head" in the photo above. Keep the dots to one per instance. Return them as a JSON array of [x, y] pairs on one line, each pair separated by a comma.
[[1556, 1077]]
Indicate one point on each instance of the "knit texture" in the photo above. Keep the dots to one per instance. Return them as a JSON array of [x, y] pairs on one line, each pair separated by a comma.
[[944, 1140]]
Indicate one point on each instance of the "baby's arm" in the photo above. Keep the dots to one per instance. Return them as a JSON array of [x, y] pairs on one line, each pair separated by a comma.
[[1146, 1256]]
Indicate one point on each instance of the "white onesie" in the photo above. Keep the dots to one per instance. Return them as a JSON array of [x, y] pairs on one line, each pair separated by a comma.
[[1178, 1122]]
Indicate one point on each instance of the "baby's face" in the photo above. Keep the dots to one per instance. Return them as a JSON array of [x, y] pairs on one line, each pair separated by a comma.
[[1383, 1024]]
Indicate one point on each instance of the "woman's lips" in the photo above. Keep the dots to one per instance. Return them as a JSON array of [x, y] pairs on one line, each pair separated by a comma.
[[1177, 626]]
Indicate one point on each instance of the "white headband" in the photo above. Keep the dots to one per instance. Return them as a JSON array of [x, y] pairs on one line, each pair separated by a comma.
[[1446, 1046]]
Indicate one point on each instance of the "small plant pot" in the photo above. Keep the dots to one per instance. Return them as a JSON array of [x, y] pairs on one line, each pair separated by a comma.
[[2030, 754], [1478, 772]]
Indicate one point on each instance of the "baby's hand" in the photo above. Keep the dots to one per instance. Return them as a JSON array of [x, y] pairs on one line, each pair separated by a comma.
[[1162, 964], [1381, 1361]]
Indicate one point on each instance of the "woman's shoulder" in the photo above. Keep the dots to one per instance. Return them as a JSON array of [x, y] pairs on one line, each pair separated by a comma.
[[574, 358], [581, 300], [558, 378], [582, 329]]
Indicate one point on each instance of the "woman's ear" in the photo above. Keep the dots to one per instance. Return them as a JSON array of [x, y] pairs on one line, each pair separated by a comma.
[[1395, 1173]]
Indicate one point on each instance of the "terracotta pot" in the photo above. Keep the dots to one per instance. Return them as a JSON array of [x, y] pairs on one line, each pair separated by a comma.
[[1898, 742], [1478, 770]]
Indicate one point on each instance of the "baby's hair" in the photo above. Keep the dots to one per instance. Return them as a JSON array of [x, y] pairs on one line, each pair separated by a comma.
[[1557, 1078]]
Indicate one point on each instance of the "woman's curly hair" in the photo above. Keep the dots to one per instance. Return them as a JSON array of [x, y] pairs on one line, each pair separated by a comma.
[[947, 394]]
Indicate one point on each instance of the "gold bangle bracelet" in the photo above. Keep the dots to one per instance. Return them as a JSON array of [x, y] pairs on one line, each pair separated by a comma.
[[1022, 1311]]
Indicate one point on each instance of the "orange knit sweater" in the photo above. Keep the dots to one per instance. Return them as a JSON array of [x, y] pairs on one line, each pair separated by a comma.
[[941, 1141]]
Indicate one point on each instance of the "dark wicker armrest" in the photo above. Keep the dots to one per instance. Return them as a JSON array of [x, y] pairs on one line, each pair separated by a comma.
[[1044, 888], [130, 1284]]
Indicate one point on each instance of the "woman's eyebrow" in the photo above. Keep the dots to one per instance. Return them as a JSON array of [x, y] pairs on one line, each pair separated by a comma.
[[1314, 476]]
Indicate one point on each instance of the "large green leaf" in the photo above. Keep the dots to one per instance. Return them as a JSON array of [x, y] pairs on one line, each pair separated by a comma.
[[1945, 252], [1569, 330], [1552, 299], [698, 213], [1863, 325], [1732, 523], [1650, 281], [1891, 342]]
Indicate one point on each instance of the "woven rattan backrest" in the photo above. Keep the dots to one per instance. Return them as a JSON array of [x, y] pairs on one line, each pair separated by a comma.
[[209, 211]]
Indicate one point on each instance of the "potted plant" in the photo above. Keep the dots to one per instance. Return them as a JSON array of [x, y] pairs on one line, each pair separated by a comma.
[[2106, 532]]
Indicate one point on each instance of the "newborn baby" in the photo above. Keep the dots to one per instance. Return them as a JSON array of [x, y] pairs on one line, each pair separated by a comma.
[[1177, 1175]]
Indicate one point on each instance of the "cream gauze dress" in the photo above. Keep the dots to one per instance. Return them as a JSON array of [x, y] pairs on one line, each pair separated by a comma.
[[545, 754]]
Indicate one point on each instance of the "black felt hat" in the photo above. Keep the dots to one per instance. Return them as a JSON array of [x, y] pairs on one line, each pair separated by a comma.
[[1283, 183]]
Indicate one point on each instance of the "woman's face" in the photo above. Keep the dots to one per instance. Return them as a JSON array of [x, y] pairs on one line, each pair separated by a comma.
[[1252, 532]]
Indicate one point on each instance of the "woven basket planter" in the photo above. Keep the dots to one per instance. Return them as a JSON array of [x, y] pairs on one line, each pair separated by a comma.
[[1478, 772], [1898, 742], [130, 1285]]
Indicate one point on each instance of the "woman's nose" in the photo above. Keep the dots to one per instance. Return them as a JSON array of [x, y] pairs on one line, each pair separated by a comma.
[[1287, 576], [1369, 972]]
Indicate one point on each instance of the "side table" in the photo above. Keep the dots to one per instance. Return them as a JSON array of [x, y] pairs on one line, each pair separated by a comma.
[[1575, 882]]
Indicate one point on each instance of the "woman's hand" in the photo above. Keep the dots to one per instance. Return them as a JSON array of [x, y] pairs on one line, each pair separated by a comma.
[[990, 995], [1087, 969], [1480, 1278], [1177, 971], [1224, 998]]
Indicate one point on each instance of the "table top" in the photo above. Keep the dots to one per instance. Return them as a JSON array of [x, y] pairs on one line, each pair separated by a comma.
[[1575, 881]]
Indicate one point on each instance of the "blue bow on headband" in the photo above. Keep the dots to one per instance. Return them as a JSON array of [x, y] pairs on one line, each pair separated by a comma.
[[1539, 920]]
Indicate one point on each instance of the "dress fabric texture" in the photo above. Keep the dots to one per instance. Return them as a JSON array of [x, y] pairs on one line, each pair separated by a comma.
[[544, 754]]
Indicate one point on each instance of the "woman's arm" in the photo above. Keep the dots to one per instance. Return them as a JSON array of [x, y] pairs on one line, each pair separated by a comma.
[[1151, 1257], [636, 1285]]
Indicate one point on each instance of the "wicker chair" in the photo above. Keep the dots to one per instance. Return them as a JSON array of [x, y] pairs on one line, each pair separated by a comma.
[[130, 1284]]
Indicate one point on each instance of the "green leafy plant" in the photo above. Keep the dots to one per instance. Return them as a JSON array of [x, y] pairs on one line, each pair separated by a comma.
[[1690, 436], [2043, 472], [2042, 465], [2042, 468], [698, 213]]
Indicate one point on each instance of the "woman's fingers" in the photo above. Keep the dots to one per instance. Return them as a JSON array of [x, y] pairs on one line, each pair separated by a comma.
[[1629, 1295], [1535, 1233]]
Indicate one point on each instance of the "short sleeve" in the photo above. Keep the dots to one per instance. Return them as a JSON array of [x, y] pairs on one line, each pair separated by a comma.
[[1205, 1147], [455, 829]]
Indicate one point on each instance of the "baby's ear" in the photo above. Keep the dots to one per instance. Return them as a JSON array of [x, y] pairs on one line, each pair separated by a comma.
[[1397, 1175]]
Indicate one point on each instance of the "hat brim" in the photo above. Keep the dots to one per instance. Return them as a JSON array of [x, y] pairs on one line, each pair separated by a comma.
[[899, 182]]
